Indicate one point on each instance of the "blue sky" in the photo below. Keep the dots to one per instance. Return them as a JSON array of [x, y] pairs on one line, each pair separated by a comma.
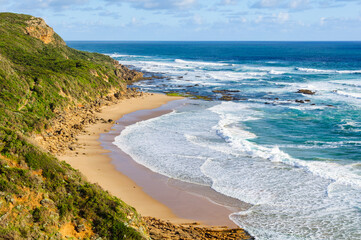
[[235, 20]]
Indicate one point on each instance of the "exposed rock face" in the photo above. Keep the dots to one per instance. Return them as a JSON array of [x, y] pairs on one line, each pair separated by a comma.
[[228, 98], [128, 75], [306, 91], [37, 28], [159, 229], [68, 124]]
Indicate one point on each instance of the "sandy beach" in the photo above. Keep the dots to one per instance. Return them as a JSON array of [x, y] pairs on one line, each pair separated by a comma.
[[150, 193]]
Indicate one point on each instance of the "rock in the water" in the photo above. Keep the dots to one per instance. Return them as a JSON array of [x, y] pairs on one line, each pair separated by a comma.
[[306, 91], [225, 91], [227, 98]]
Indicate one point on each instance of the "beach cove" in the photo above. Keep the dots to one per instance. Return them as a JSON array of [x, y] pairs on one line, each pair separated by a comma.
[[260, 137], [282, 128], [150, 193]]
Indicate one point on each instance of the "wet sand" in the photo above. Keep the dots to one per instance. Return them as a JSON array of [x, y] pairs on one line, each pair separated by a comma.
[[150, 193]]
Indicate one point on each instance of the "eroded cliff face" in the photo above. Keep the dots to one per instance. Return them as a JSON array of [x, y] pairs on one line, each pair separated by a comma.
[[38, 28], [127, 74]]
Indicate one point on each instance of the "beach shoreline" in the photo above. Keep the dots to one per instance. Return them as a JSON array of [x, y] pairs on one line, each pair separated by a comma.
[[150, 193]]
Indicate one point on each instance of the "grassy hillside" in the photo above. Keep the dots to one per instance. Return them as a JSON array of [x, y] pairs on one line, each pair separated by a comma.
[[37, 78], [40, 197]]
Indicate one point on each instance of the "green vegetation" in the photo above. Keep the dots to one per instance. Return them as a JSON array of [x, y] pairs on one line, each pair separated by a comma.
[[38, 78], [72, 198], [178, 94], [205, 98], [41, 197]]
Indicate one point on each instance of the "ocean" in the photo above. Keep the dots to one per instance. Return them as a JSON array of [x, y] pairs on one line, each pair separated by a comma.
[[295, 157]]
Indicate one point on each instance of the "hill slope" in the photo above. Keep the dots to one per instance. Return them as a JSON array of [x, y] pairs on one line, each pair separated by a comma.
[[40, 74], [40, 197]]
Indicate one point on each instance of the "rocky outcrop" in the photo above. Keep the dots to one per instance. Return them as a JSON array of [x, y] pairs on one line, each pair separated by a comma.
[[62, 135], [306, 91], [159, 229], [38, 28], [228, 98], [227, 94], [225, 91], [127, 74]]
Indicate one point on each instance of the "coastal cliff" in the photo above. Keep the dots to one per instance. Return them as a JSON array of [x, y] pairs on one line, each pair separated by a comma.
[[37, 28], [41, 82]]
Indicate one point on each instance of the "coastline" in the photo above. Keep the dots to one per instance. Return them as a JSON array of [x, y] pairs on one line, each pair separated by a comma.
[[91, 161], [150, 193]]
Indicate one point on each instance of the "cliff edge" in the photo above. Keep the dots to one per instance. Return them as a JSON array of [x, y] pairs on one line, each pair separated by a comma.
[[41, 79], [38, 28]]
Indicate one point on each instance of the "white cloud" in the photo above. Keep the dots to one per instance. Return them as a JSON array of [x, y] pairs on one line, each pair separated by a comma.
[[299, 4], [259, 19], [40, 5], [134, 20], [283, 17], [197, 19], [287, 4], [229, 2], [268, 4], [185, 3], [157, 4]]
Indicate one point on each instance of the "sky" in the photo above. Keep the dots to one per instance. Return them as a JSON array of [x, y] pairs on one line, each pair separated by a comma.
[[197, 20]]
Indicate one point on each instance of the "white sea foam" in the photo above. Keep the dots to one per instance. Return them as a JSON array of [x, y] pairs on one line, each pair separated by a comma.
[[319, 145], [266, 70], [239, 141], [214, 71], [334, 144], [117, 55], [350, 94], [349, 71], [302, 201], [275, 72], [349, 122], [191, 71], [351, 126], [222, 76], [200, 63], [307, 107], [325, 71], [314, 70], [212, 146], [326, 91], [148, 151], [350, 82]]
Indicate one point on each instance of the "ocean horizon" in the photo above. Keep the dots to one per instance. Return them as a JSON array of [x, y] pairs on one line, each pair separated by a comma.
[[282, 131]]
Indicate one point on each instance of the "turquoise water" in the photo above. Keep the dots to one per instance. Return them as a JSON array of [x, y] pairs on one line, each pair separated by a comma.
[[297, 162]]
